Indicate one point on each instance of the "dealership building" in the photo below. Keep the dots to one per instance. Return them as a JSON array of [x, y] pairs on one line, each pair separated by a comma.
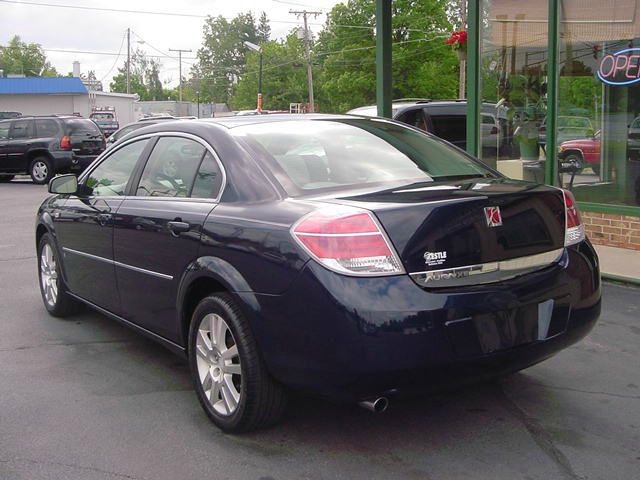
[[564, 76], [62, 95]]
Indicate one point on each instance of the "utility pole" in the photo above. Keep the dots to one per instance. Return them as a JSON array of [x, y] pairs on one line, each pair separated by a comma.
[[307, 52], [128, 60], [179, 68]]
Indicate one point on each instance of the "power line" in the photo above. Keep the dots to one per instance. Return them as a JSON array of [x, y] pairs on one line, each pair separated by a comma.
[[116, 60], [93, 52], [152, 12], [120, 10]]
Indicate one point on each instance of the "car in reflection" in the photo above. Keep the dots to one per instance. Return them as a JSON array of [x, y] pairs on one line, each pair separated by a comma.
[[582, 153], [355, 258], [569, 128]]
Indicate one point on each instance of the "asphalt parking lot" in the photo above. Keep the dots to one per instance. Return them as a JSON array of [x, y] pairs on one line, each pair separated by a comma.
[[86, 398]]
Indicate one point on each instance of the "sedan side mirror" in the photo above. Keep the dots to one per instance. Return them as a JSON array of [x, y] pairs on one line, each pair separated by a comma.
[[65, 184]]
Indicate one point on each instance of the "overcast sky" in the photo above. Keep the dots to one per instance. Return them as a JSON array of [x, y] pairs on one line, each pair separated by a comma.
[[58, 28]]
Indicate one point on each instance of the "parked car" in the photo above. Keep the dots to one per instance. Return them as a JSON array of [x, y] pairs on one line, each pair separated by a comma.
[[447, 119], [350, 257], [633, 143], [582, 152], [6, 115], [44, 146], [106, 120], [569, 128], [143, 122]]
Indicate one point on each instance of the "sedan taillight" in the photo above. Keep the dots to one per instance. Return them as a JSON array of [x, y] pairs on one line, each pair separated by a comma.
[[574, 229], [347, 240], [65, 143]]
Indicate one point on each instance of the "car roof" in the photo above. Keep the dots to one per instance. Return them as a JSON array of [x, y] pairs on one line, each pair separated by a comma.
[[236, 121]]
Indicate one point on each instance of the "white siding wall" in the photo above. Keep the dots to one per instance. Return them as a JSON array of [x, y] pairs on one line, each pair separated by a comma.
[[41, 104], [68, 104]]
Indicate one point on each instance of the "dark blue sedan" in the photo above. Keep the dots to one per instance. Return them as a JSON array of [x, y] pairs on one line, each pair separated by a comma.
[[350, 257]]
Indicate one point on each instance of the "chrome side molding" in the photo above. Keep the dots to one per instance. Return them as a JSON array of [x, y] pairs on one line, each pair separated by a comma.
[[487, 272]]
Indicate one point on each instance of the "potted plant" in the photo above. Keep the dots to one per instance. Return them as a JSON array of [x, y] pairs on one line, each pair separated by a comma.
[[458, 41]]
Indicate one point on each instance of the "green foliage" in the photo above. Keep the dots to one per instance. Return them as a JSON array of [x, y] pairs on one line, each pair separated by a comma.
[[579, 95], [28, 59], [222, 57], [284, 78], [343, 58], [144, 78]]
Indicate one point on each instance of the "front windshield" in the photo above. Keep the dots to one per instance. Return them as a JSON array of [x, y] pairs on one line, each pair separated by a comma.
[[307, 156]]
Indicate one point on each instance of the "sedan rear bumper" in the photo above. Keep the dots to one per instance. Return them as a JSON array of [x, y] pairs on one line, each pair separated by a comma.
[[351, 337]]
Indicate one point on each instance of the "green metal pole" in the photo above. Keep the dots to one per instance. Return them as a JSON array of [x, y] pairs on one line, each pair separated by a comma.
[[384, 90], [474, 97], [551, 165]]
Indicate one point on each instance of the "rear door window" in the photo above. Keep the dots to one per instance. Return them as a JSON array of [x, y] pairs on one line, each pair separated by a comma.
[[22, 129], [171, 168], [208, 180], [46, 128]]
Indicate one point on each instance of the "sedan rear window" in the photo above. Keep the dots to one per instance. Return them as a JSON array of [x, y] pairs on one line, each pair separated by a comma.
[[306, 156]]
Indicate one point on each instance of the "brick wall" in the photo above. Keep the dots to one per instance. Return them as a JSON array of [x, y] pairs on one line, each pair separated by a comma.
[[613, 230]]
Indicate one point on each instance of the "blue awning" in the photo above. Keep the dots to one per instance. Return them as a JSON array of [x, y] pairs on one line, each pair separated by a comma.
[[54, 85]]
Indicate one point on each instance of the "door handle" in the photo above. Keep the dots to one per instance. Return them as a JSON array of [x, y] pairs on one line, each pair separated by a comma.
[[177, 227]]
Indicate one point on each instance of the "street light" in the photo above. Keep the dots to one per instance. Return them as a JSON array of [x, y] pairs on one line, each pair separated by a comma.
[[257, 48], [198, 96]]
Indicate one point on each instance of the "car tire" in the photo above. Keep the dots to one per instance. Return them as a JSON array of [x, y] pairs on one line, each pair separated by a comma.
[[54, 292], [230, 378], [41, 170], [6, 178], [577, 160], [596, 168]]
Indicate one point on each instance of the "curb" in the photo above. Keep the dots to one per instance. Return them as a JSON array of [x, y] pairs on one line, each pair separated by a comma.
[[621, 279]]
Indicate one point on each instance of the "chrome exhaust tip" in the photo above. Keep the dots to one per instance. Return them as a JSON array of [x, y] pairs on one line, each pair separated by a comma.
[[376, 405]]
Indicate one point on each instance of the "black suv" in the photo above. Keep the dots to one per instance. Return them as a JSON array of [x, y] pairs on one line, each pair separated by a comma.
[[447, 119], [44, 146]]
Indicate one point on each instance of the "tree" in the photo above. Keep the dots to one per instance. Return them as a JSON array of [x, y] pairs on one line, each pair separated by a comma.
[[221, 59], [283, 80], [423, 66], [26, 59], [264, 29], [144, 77]]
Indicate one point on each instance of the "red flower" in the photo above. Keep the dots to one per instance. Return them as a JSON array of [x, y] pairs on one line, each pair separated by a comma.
[[457, 39]]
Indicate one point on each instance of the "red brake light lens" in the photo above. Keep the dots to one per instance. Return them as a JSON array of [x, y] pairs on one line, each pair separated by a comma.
[[574, 229], [347, 240], [65, 143]]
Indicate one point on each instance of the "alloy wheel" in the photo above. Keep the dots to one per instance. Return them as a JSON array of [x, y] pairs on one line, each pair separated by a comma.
[[40, 171], [218, 363], [49, 275]]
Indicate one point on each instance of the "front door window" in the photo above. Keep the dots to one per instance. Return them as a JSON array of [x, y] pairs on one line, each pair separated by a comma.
[[111, 177]]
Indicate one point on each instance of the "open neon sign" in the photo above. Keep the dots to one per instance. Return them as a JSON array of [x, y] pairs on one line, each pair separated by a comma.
[[620, 68]]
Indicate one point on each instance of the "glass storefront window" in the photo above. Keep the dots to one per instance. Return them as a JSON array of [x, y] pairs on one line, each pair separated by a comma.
[[599, 69], [513, 75]]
